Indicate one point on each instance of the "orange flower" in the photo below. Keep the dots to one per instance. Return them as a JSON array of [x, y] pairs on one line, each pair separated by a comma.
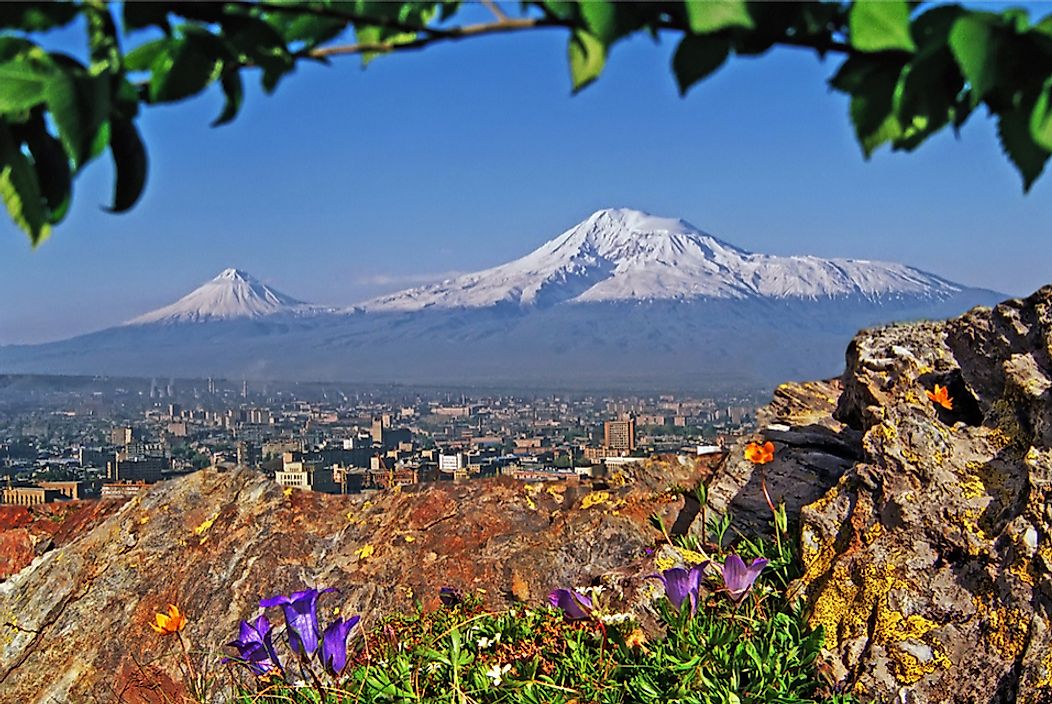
[[636, 639], [941, 397], [171, 622], [759, 454]]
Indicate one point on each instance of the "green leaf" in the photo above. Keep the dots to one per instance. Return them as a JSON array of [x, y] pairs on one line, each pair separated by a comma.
[[600, 17], [881, 25], [235, 94], [142, 57], [587, 58], [20, 190], [707, 16], [697, 57], [138, 15], [22, 85], [873, 108], [129, 160], [79, 104], [52, 169], [310, 30], [976, 43], [925, 96], [37, 16], [561, 9], [1041, 117], [1013, 129], [184, 70]]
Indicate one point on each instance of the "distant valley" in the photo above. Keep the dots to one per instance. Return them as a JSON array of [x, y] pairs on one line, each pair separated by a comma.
[[623, 300]]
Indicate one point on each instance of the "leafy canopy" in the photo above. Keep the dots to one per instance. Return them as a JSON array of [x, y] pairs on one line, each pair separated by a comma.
[[911, 70]]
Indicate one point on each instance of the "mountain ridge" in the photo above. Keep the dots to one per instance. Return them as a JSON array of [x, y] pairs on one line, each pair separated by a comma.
[[619, 254], [623, 300]]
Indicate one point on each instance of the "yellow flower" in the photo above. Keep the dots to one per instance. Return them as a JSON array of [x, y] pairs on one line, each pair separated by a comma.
[[941, 396], [171, 622], [759, 454], [365, 551], [409, 538]]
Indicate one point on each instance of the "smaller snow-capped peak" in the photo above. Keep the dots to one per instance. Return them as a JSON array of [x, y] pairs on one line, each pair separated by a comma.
[[619, 254], [232, 294]]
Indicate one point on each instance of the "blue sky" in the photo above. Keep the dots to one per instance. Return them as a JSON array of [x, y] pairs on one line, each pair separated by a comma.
[[348, 182]]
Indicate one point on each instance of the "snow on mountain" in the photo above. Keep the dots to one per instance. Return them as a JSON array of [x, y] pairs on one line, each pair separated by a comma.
[[233, 294], [623, 254]]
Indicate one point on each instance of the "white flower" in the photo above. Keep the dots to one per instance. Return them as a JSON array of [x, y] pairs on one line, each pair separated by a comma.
[[433, 667], [485, 642], [497, 672], [615, 618]]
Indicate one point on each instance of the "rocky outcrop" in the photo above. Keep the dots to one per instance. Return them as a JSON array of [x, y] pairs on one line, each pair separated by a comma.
[[926, 532], [73, 625]]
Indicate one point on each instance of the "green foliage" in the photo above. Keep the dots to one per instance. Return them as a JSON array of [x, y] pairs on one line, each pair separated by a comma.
[[909, 72]]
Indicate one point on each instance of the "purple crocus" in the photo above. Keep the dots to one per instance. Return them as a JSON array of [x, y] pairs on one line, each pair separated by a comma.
[[737, 578], [255, 647], [301, 618], [334, 644], [682, 584], [575, 605]]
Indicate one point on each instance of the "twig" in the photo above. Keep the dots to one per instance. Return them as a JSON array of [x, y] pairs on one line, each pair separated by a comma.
[[495, 9]]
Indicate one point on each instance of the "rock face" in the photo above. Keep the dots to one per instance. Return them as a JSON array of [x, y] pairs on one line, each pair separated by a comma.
[[73, 625], [28, 532], [926, 533]]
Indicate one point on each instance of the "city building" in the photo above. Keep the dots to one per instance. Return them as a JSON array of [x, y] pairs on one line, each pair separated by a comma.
[[620, 435], [138, 469], [30, 495]]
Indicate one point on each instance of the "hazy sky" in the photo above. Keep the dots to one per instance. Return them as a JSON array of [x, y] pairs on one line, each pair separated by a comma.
[[349, 183]]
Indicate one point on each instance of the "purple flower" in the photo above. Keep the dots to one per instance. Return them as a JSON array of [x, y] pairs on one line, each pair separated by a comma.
[[334, 644], [574, 604], [738, 578], [682, 584], [255, 647], [301, 618], [449, 597]]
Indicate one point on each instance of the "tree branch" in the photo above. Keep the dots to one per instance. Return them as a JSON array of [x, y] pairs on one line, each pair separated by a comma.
[[453, 34]]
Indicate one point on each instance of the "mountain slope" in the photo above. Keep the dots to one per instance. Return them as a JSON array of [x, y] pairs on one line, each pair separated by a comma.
[[230, 295], [623, 300], [621, 255]]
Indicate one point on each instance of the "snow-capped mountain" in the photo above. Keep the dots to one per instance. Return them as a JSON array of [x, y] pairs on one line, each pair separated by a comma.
[[629, 255], [233, 294], [622, 300]]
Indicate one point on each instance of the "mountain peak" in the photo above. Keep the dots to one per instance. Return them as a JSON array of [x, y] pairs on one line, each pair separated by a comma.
[[234, 293], [622, 254], [232, 274]]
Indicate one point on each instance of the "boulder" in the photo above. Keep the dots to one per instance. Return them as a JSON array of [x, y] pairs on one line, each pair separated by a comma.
[[925, 532]]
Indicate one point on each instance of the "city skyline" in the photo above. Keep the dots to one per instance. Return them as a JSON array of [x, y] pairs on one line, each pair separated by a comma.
[[348, 184]]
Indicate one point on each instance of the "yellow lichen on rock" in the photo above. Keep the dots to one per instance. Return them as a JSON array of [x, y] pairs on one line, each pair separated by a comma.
[[1006, 628], [204, 525], [904, 637], [594, 499]]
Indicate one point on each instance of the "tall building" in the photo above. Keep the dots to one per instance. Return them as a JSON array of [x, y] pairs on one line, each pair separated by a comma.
[[620, 434], [122, 436]]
